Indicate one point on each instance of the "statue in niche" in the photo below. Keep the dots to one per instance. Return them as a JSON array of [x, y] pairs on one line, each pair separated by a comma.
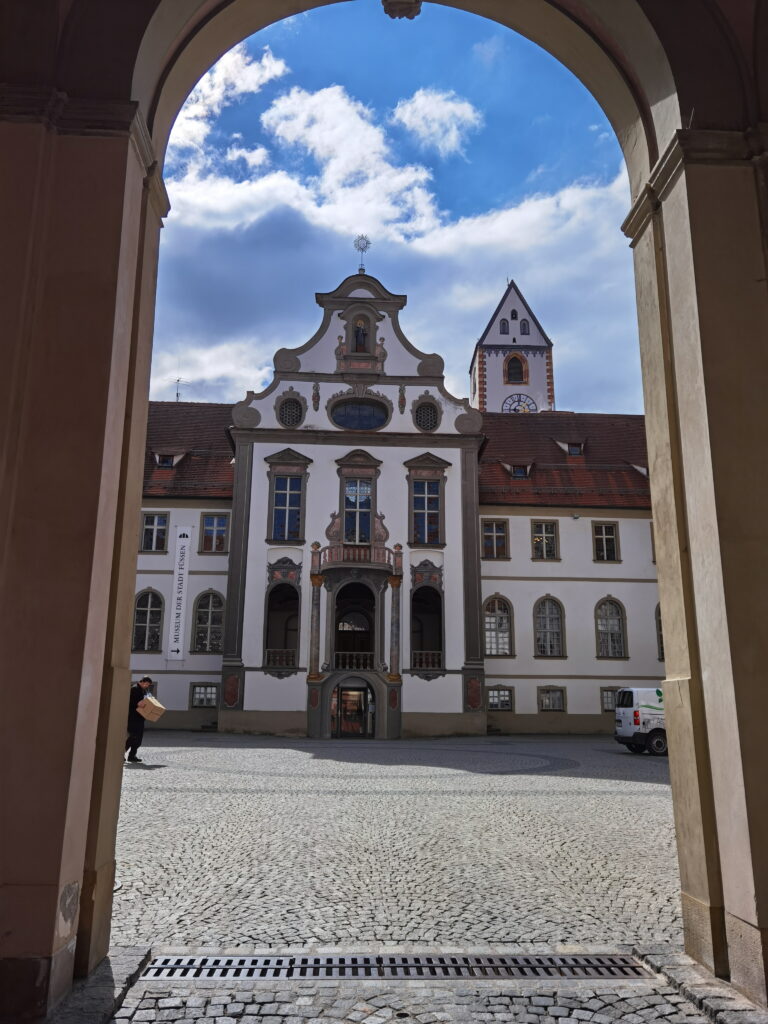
[[360, 335]]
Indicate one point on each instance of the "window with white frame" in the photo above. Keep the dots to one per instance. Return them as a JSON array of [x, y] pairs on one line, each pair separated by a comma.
[[501, 698], [204, 695], [497, 625], [551, 698], [286, 508], [154, 532], [215, 532], [494, 538], [608, 698], [357, 511], [548, 626], [147, 621], [208, 635], [426, 512], [606, 542], [544, 540], [611, 630]]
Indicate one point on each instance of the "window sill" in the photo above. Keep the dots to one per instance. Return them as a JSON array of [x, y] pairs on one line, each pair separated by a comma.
[[608, 657], [417, 544], [553, 711], [211, 654], [490, 657], [213, 552], [607, 561], [140, 651], [276, 541], [156, 551], [558, 559], [495, 558], [551, 657]]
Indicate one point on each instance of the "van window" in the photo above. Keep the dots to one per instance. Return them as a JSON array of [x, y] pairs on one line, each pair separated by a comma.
[[625, 699]]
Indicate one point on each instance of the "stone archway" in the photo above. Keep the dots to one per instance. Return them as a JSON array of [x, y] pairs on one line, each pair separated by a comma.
[[91, 91]]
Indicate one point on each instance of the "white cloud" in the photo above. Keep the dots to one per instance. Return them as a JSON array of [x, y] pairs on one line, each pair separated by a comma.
[[235, 75], [439, 120], [225, 370], [489, 50], [254, 158]]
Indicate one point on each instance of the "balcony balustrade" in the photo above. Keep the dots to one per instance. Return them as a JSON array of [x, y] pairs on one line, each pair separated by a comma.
[[354, 660], [377, 555], [426, 659], [280, 658]]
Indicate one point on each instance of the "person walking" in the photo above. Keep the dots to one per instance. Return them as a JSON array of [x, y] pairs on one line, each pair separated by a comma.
[[135, 719]]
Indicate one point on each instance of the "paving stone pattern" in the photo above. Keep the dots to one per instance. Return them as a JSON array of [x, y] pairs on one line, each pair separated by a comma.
[[254, 844], [410, 1002]]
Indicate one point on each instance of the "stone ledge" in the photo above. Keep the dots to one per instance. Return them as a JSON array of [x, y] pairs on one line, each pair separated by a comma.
[[96, 999], [716, 998]]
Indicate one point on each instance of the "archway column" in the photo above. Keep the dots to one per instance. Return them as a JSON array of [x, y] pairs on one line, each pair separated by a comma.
[[699, 243], [73, 201]]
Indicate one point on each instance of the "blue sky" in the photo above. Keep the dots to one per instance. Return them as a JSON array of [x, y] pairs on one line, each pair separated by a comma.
[[465, 152]]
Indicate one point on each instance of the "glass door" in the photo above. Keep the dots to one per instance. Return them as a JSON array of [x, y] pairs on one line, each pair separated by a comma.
[[352, 713]]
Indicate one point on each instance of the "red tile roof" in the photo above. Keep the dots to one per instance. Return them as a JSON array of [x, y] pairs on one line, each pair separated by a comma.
[[603, 477], [199, 430]]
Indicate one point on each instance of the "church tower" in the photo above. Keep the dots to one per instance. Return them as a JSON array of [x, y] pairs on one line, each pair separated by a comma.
[[511, 369]]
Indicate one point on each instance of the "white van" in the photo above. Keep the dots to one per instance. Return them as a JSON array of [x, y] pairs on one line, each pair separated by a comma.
[[640, 720]]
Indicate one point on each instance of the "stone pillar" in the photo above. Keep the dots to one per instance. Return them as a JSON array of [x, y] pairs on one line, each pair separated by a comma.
[[395, 583], [232, 671], [316, 579], [72, 206], [698, 234]]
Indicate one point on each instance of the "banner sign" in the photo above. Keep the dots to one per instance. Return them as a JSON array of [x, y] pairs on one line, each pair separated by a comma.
[[177, 610]]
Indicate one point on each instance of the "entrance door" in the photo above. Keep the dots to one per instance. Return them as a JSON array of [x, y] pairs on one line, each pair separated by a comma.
[[353, 712]]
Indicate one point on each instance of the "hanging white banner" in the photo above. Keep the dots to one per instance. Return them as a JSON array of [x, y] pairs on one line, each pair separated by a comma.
[[177, 610]]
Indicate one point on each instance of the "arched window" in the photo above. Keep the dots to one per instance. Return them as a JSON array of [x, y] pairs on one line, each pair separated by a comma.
[[548, 628], [659, 633], [208, 635], [497, 626], [504, 327], [611, 630], [515, 371], [525, 327], [147, 621], [513, 315]]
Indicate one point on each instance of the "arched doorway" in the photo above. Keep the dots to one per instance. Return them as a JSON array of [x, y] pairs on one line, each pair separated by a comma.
[[353, 710], [281, 648], [354, 640], [697, 231]]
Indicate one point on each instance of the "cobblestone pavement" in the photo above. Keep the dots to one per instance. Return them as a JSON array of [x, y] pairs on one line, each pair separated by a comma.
[[411, 1002], [252, 844]]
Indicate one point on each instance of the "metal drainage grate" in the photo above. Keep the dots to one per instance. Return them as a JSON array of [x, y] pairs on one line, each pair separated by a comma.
[[598, 966]]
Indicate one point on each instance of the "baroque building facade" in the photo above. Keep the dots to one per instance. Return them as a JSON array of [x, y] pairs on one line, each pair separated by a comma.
[[356, 552]]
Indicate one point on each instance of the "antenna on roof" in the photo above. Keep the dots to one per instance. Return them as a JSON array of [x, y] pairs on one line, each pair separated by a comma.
[[181, 383]]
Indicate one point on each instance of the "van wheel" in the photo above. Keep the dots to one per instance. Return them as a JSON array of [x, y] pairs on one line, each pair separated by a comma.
[[657, 743], [636, 748]]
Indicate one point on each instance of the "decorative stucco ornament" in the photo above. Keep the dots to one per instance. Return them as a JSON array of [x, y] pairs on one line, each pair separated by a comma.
[[402, 8]]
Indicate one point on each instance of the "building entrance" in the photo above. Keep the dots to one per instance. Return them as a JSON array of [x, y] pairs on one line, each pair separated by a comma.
[[353, 712]]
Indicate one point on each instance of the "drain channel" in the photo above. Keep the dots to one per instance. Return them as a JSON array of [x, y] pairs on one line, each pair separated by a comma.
[[600, 966]]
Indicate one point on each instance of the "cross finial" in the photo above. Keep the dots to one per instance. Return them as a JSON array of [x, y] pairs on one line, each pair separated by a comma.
[[362, 244]]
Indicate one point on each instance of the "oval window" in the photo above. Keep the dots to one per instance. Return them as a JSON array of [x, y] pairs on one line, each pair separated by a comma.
[[359, 414]]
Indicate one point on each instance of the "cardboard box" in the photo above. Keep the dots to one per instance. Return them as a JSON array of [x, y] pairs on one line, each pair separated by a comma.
[[152, 709]]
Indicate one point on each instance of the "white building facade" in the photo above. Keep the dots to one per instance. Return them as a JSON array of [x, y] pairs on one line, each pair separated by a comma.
[[393, 562]]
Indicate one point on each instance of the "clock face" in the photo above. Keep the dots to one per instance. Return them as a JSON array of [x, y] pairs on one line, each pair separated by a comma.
[[519, 403]]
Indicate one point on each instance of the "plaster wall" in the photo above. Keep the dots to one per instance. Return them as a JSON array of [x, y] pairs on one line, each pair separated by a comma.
[[443, 694]]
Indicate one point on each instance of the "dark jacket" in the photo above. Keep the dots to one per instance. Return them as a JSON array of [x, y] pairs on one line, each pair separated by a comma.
[[135, 720]]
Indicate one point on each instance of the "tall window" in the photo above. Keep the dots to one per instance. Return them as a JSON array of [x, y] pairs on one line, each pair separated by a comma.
[[497, 622], [209, 623], [154, 533], [551, 698], [357, 511], [147, 621], [611, 632], [504, 327], [544, 540], [215, 533], [286, 508], [548, 627], [525, 327], [426, 511], [515, 371], [659, 633], [606, 541], [494, 538]]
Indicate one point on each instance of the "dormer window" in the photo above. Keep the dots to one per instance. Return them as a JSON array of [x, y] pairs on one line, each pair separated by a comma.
[[519, 472], [165, 461], [575, 448]]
